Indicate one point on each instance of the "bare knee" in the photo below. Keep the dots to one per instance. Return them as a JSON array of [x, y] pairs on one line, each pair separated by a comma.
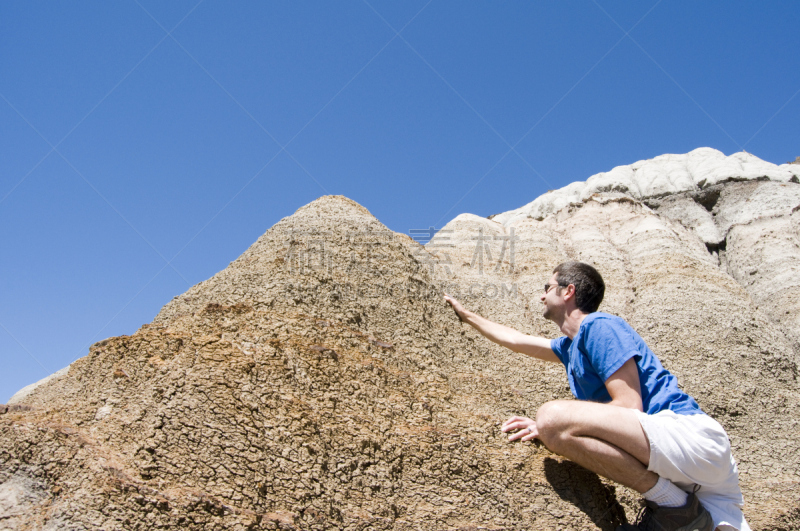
[[552, 423]]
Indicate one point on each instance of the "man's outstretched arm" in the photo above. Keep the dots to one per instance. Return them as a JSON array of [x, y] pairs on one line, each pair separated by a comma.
[[536, 347]]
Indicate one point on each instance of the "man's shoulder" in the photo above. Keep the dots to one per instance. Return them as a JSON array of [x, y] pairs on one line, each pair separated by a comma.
[[602, 330], [603, 319]]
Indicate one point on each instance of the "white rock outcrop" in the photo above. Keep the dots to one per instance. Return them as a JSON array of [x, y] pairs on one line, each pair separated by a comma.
[[658, 177]]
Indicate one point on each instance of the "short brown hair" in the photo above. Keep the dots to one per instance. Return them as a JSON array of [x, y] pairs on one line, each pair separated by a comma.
[[589, 285]]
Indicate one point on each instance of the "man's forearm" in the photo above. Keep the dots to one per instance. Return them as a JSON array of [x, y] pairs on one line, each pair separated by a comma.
[[537, 347], [500, 334]]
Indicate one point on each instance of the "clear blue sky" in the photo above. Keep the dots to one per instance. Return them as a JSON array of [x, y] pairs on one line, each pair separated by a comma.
[[146, 144]]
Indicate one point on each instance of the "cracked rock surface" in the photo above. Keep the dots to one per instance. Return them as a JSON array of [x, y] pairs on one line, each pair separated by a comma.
[[320, 382]]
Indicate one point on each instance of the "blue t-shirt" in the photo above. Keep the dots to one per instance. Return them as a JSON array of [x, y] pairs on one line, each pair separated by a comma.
[[603, 344]]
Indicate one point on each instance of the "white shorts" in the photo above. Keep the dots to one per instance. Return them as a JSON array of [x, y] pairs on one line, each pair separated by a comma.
[[692, 450]]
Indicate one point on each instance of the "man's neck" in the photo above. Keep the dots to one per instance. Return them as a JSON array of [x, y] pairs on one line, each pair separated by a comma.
[[572, 323]]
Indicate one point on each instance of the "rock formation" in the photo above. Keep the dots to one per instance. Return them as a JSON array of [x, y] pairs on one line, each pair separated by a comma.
[[320, 381]]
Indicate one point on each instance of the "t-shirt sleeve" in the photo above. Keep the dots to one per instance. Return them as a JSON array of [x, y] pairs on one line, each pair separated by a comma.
[[560, 346], [608, 344]]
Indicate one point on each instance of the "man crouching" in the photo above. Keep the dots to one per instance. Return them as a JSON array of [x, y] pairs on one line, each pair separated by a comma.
[[631, 423]]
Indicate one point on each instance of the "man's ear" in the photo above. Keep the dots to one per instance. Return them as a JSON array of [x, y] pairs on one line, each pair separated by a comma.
[[569, 292]]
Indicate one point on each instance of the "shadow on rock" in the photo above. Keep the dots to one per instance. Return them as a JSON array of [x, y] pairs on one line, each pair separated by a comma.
[[583, 488]]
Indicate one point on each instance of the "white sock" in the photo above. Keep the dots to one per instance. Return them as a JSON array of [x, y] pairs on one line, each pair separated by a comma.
[[666, 494]]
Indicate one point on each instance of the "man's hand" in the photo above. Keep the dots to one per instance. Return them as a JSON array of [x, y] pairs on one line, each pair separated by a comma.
[[527, 428], [456, 306]]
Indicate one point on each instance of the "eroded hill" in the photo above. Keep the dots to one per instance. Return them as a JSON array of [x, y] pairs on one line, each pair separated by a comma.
[[320, 381]]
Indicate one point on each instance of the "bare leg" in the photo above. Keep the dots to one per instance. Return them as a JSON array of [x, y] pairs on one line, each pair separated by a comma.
[[608, 440]]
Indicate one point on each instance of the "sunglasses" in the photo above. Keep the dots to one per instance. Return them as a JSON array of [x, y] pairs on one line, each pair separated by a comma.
[[548, 286]]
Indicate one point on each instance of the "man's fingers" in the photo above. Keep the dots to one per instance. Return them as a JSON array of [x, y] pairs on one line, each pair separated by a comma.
[[514, 423], [451, 301], [455, 306], [525, 435], [511, 426], [523, 428], [517, 435]]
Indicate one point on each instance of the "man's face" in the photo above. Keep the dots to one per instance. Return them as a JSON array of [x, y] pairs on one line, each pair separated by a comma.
[[552, 300]]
